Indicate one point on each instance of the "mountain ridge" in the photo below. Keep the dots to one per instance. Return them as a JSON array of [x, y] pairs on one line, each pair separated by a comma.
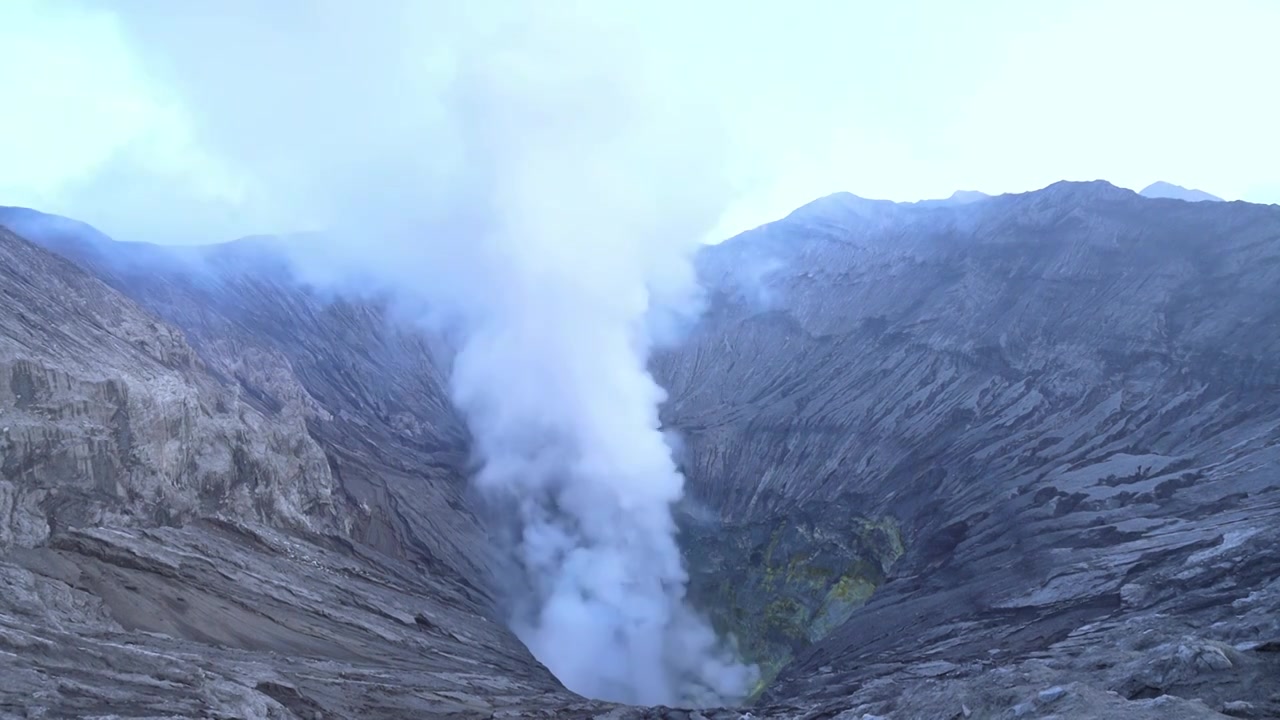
[[1064, 403]]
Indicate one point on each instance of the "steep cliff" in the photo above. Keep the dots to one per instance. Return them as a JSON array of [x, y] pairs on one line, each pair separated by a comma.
[[109, 417]]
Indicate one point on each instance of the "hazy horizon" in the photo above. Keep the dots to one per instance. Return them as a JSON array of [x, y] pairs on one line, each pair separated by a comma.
[[710, 239], [183, 114]]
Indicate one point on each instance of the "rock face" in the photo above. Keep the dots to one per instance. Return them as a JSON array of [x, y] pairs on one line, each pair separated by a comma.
[[107, 416], [1014, 457]]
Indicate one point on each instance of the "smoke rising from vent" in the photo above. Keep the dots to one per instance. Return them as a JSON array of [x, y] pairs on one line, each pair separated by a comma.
[[535, 180]]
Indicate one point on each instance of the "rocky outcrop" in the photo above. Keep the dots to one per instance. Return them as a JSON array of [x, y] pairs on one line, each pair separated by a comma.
[[108, 417], [368, 387]]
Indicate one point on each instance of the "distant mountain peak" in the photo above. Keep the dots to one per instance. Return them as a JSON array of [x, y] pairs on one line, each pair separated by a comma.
[[959, 197], [1079, 191], [841, 205], [1163, 189], [967, 196]]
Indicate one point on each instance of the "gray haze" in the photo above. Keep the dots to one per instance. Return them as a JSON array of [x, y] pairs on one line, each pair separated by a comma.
[[185, 122]]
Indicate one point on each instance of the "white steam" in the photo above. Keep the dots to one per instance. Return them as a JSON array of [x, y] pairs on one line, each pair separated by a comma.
[[538, 175], [593, 212]]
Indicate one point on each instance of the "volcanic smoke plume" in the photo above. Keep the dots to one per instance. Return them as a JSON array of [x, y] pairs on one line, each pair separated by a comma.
[[531, 179], [534, 177], [582, 263]]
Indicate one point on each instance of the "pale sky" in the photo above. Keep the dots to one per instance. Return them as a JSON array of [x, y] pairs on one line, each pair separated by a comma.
[[208, 119]]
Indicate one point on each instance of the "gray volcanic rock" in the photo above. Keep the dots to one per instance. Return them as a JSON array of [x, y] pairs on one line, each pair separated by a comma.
[[1037, 435], [115, 433], [369, 392], [224, 620], [1068, 399], [108, 416]]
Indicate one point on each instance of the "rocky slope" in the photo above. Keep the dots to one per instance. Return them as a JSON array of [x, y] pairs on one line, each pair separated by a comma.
[[1037, 435], [1069, 400], [256, 527], [110, 417]]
